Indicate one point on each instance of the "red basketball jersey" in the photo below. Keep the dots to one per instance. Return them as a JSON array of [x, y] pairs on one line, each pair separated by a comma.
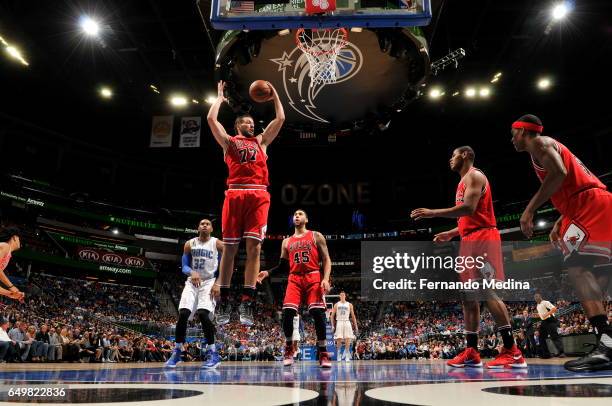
[[303, 253], [578, 178], [246, 162], [4, 261], [483, 217]]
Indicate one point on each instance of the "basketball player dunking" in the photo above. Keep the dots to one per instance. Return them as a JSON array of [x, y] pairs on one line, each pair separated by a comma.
[[9, 242], [247, 201], [341, 317], [303, 255], [583, 231], [477, 229], [200, 262]]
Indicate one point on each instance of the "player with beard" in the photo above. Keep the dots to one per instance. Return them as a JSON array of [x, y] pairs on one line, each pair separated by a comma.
[[303, 255], [247, 201]]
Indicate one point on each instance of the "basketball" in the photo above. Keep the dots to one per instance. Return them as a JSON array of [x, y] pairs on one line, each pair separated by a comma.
[[260, 91]]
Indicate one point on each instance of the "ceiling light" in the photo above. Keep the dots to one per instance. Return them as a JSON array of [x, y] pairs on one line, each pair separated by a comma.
[[178, 101], [89, 26]]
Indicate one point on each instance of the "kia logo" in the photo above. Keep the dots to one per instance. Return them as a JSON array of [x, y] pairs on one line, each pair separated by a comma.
[[134, 261], [89, 255], [111, 258]]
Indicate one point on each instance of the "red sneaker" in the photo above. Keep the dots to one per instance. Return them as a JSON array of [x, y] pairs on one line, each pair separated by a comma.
[[324, 361], [467, 358], [512, 358], [288, 358]]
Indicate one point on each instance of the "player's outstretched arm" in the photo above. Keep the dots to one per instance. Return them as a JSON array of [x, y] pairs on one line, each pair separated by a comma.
[[551, 160], [217, 129], [272, 130], [474, 185], [282, 266], [446, 235], [325, 260]]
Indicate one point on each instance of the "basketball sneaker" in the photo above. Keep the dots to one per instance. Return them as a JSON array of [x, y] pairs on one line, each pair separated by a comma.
[[212, 360], [598, 359], [246, 313], [324, 361], [223, 313], [466, 358], [288, 357], [174, 359], [347, 357], [512, 358]]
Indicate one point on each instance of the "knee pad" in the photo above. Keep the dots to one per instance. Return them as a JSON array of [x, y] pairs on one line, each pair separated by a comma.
[[287, 321]]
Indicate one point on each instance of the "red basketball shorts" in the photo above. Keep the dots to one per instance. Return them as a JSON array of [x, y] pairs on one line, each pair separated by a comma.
[[586, 227], [484, 247], [245, 215], [304, 287]]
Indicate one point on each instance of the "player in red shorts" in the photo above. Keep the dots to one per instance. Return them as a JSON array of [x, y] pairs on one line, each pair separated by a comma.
[[303, 254], [9, 242], [583, 231], [477, 229], [247, 201]]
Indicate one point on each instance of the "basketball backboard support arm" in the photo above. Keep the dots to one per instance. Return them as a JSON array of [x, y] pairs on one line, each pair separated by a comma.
[[246, 18]]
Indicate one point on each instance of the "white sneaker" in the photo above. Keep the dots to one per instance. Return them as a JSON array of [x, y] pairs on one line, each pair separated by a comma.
[[347, 357]]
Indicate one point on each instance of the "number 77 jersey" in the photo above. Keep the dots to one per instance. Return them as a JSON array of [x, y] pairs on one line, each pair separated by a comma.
[[303, 253], [246, 162]]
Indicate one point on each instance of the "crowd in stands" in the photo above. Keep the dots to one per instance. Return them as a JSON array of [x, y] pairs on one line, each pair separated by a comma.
[[72, 320]]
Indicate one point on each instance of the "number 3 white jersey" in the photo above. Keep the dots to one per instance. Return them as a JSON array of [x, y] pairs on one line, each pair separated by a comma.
[[204, 257], [343, 311]]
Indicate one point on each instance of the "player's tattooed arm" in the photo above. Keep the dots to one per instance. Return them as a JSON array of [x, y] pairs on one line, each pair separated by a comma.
[[218, 131], [548, 157], [272, 130], [325, 259]]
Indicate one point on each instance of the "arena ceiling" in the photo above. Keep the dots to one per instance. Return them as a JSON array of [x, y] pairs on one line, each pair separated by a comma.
[[166, 44]]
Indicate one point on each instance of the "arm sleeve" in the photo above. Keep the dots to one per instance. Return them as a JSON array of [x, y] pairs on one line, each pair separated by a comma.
[[186, 264], [283, 266]]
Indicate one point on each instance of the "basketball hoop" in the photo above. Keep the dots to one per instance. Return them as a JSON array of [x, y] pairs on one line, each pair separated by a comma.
[[321, 48]]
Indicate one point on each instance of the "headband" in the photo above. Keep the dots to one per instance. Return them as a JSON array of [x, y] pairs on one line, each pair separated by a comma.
[[528, 126]]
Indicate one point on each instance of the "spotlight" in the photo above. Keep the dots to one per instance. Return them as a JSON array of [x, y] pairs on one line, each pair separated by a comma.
[[194, 101], [470, 92], [485, 92], [436, 93], [494, 80], [115, 231], [456, 94], [16, 54], [178, 101], [210, 99], [498, 75], [544, 83], [559, 11], [90, 26], [542, 223], [106, 92]]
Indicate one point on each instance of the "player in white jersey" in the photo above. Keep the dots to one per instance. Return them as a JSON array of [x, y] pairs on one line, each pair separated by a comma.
[[341, 317], [200, 263]]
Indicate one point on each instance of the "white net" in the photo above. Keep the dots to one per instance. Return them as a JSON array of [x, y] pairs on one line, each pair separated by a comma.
[[321, 48]]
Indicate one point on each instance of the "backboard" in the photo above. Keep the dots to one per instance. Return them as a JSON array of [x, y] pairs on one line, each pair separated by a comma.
[[282, 14]]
